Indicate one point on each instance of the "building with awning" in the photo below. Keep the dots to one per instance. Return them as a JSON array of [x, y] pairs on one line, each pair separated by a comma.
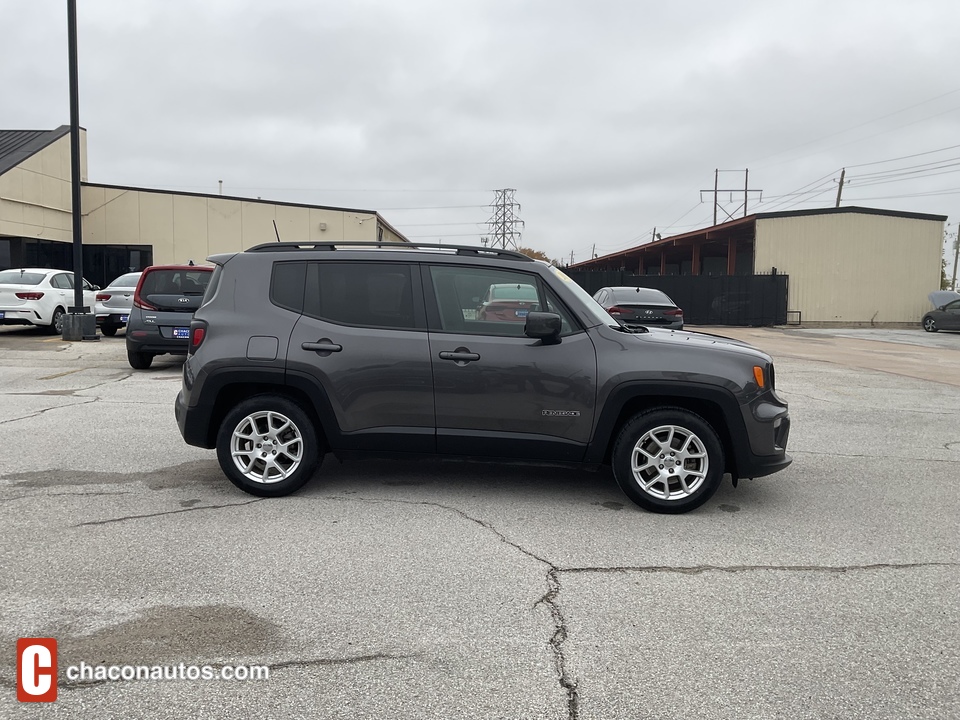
[[847, 265]]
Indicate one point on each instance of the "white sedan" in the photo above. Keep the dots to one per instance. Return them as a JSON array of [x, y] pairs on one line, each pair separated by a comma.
[[114, 303], [39, 296]]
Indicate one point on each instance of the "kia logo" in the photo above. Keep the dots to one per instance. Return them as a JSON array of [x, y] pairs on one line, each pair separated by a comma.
[[183, 300]]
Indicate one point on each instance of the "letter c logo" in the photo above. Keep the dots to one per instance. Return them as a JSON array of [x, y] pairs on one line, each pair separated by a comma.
[[36, 669]]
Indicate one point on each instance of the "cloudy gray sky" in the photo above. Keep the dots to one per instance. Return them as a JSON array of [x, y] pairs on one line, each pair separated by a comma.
[[607, 117]]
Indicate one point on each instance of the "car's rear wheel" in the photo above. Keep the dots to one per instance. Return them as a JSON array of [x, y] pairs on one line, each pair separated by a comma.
[[668, 460], [929, 324], [108, 329], [56, 322], [268, 446], [139, 360]]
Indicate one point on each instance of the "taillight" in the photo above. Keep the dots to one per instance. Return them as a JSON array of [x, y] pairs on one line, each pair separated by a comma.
[[614, 310], [102, 297], [198, 331], [142, 304], [30, 295], [678, 311]]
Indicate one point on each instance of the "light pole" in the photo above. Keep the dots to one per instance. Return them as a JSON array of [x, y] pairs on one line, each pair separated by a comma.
[[79, 323]]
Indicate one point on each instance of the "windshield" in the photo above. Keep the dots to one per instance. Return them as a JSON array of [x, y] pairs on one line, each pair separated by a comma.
[[596, 313]]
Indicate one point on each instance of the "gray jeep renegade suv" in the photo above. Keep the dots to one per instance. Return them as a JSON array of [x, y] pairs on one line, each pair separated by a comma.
[[362, 349]]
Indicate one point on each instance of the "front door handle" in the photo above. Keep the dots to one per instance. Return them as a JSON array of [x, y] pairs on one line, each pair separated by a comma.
[[323, 346], [461, 356]]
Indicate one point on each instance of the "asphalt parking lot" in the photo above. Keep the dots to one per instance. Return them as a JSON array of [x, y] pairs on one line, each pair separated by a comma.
[[448, 590]]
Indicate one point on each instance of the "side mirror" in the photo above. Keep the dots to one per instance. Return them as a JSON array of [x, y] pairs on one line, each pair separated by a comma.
[[543, 325]]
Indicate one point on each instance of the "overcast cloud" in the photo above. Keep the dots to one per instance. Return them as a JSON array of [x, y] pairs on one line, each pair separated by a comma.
[[607, 117]]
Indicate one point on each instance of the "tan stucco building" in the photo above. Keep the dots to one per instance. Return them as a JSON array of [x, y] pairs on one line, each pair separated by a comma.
[[126, 228]]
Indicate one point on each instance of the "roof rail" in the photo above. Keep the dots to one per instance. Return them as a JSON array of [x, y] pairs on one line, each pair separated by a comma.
[[346, 245]]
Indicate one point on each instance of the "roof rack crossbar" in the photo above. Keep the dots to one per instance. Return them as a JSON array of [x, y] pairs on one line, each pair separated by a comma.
[[346, 245]]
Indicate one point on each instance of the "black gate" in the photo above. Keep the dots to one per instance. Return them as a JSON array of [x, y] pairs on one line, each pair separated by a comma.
[[746, 300]]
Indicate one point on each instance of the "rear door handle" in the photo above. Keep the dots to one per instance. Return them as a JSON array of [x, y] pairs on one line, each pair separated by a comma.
[[324, 345], [461, 356]]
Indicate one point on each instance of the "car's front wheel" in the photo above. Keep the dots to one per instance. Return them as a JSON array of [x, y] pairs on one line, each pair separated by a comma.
[[668, 460], [929, 324], [268, 446]]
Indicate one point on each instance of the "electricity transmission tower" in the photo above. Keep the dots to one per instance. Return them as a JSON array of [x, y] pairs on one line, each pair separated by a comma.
[[505, 226]]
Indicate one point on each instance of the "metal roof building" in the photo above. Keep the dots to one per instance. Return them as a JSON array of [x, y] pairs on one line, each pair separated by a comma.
[[128, 228], [846, 266]]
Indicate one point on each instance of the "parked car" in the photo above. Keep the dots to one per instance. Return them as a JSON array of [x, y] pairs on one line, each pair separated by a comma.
[[39, 296], [163, 305], [114, 303], [508, 303], [294, 353], [946, 315], [640, 306]]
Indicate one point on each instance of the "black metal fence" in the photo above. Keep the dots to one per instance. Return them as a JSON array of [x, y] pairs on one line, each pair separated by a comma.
[[746, 300]]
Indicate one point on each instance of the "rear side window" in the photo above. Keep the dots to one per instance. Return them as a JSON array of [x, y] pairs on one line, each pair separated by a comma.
[[362, 294], [286, 285]]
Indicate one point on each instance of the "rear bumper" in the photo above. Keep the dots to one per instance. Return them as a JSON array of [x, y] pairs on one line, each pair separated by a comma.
[[193, 422]]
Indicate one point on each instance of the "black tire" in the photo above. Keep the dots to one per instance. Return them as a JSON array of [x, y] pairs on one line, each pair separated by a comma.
[[929, 324], [139, 360], [108, 330], [288, 456], [56, 322], [681, 483]]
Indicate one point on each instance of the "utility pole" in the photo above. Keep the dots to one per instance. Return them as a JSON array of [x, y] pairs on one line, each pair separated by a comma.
[[843, 174], [505, 225], [716, 193], [593, 253], [571, 257], [956, 256], [79, 323]]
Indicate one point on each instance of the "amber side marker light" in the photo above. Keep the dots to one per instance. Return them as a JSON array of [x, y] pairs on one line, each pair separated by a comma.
[[758, 375]]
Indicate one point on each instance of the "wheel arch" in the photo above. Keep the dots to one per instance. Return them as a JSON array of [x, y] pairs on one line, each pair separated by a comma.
[[716, 406]]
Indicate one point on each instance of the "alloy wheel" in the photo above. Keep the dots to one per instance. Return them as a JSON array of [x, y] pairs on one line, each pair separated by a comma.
[[669, 462], [266, 447]]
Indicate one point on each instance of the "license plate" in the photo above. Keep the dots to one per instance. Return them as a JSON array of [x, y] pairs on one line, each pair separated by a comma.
[[521, 313], [181, 333], [124, 318]]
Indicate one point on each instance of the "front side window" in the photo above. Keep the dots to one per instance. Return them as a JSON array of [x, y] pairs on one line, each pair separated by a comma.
[[363, 294], [486, 301]]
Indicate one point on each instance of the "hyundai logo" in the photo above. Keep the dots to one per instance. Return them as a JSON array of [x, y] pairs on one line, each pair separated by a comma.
[[183, 300], [649, 312]]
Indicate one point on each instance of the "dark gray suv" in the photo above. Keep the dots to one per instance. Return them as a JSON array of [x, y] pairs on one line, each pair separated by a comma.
[[363, 349]]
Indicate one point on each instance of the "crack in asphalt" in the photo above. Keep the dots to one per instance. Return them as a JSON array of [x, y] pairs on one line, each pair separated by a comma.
[[875, 457], [64, 494], [549, 599], [168, 512], [699, 569], [86, 401], [283, 665]]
